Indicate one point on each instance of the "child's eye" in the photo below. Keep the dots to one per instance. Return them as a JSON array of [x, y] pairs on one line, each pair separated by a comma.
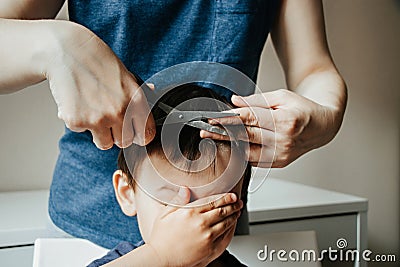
[[165, 193]]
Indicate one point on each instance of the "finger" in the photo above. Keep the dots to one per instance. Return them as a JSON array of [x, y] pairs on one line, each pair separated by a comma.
[[222, 242], [75, 128], [281, 159], [265, 165], [261, 155], [102, 138], [143, 121], [223, 226], [219, 214], [217, 201], [181, 199], [251, 134], [116, 131], [249, 116], [151, 86], [70, 123], [264, 100], [206, 201], [128, 133]]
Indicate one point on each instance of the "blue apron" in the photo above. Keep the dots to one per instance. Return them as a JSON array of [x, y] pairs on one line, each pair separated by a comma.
[[148, 36]]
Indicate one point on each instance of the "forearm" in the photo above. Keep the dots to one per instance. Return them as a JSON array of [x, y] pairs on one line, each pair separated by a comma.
[[326, 87], [143, 256], [300, 41], [30, 9], [24, 50]]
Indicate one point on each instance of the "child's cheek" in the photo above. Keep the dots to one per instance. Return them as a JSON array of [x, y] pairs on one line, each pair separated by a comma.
[[238, 188]]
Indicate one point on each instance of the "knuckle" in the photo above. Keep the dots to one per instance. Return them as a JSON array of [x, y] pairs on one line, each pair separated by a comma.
[[280, 164], [227, 222], [201, 224], [221, 212], [73, 123], [95, 120], [211, 205], [295, 126], [60, 115], [281, 92], [284, 160], [124, 143], [104, 146], [190, 212], [138, 96], [252, 117], [251, 134], [111, 115], [100, 119], [209, 236], [118, 114], [119, 144], [289, 144]]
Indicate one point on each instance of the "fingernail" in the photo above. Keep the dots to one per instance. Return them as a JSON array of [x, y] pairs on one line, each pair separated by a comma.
[[212, 121], [149, 135], [204, 134], [151, 86], [237, 99], [233, 197], [182, 192]]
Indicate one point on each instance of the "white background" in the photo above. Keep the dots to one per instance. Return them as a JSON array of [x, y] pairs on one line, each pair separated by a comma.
[[364, 37]]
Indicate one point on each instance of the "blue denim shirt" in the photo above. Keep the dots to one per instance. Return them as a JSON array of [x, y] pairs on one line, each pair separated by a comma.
[[148, 36], [225, 259]]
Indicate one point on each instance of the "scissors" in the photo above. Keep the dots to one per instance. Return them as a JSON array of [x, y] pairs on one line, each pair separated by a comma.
[[192, 118]]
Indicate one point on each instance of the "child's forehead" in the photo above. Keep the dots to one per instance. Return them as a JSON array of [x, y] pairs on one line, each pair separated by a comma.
[[161, 180], [158, 165]]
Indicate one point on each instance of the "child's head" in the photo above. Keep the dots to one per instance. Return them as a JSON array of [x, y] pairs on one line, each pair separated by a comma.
[[149, 163]]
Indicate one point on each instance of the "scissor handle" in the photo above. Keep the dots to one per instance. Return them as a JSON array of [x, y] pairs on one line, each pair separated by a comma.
[[150, 95]]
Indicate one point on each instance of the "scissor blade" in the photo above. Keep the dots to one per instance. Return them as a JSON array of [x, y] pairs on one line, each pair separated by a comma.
[[164, 107], [217, 114], [177, 116], [208, 127], [197, 115]]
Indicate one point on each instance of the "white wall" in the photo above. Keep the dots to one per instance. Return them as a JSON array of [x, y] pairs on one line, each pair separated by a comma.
[[364, 37], [364, 158], [29, 136]]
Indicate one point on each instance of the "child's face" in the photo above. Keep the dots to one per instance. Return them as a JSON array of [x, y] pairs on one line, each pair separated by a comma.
[[137, 202]]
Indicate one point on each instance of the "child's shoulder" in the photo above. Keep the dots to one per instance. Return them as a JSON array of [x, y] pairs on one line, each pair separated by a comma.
[[120, 250], [226, 259]]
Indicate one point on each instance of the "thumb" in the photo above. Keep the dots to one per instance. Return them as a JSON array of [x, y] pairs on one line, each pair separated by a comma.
[[182, 198], [151, 86], [264, 100]]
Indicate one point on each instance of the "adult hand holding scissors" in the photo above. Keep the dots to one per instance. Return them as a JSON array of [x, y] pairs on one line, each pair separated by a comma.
[[280, 126], [90, 85], [310, 115]]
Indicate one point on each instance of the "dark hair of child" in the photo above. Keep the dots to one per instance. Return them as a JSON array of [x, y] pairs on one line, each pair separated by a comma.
[[189, 137]]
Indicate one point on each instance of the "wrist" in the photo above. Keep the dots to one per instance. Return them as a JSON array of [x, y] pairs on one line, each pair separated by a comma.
[[153, 254], [27, 46], [48, 47]]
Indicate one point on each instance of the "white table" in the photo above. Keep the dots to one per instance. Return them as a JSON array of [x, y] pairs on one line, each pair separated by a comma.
[[66, 252], [278, 206]]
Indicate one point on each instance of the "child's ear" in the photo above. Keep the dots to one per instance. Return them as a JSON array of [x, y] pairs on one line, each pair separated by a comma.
[[124, 193]]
